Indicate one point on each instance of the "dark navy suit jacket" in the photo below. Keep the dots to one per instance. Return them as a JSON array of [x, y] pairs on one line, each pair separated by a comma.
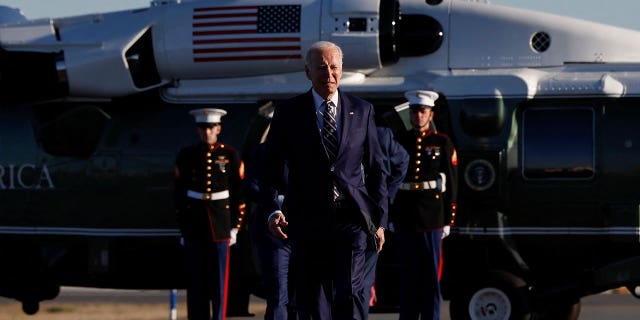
[[294, 139]]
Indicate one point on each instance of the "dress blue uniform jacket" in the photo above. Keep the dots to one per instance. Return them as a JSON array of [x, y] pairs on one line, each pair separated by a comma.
[[294, 139], [208, 220], [432, 153]]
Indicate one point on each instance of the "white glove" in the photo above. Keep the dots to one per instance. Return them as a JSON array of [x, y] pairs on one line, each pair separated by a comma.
[[446, 230], [234, 236]]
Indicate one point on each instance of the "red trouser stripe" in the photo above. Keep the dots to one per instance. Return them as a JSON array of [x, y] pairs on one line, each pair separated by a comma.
[[226, 283]]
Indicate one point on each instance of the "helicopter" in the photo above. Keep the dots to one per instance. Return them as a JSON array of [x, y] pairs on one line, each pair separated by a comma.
[[540, 108]]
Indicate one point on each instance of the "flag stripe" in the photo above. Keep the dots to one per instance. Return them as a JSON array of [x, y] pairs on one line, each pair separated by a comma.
[[224, 8], [224, 15], [246, 40], [221, 32], [241, 49], [248, 58], [223, 23], [248, 32]]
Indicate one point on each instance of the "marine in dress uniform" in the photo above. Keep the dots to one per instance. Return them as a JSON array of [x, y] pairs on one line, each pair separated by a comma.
[[425, 209], [274, 253], [209, 207]]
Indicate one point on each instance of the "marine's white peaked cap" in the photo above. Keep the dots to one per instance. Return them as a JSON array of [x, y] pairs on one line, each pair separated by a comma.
[[421, 98], [208, 115]]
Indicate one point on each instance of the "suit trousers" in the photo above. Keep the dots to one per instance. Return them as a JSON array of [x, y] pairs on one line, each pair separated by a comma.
[[370, 263], [276, 275], [328, 274]]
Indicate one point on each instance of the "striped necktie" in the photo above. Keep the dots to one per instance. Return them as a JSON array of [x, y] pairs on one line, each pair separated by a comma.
[[330, 137], [330, 131]]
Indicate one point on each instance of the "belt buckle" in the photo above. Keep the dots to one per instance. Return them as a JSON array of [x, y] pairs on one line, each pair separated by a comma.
[[417, 186]]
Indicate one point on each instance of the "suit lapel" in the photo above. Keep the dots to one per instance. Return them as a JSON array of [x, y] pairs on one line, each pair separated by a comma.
[[346, 117], [310, 133]]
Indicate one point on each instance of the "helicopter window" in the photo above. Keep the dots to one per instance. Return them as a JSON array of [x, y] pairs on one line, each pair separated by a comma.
[[69, 131], [558, 143]]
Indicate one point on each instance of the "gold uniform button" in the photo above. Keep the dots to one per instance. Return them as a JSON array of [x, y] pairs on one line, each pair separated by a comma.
[[208, 154], [419, 140], [209, 161], [417, 161], [208, 175], [208, 189], [208, 168], [418, 154]]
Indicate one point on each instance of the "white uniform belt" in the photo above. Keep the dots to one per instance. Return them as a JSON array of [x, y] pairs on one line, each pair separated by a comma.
[[208, 196], [423, 185]]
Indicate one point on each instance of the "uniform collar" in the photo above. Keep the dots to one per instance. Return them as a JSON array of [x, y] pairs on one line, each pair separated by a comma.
[[423, 133]]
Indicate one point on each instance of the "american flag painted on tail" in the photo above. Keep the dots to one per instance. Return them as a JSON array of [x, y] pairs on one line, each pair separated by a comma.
[[244, 33]]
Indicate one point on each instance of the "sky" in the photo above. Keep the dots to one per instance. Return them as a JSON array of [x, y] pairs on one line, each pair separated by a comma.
[[622, 13]]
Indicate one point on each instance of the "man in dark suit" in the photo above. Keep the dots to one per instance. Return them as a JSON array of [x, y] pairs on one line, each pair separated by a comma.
[[274, 253], [396, 161], [336, 199]]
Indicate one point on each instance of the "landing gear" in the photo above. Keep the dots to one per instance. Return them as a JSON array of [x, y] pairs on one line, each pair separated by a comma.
[[31, 295], [30, 307], [501, 296]]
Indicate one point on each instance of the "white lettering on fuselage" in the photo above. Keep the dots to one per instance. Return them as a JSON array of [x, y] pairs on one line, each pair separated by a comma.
[[25, 176]]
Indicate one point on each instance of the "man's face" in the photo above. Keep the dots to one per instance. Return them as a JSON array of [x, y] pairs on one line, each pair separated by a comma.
[[325, 70], [209, 132], [421, 118]]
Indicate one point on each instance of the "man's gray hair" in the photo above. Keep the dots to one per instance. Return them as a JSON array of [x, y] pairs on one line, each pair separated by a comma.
[[321, 46]]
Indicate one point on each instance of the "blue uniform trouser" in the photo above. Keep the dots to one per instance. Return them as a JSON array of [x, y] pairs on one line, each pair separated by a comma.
[[419, 283], [206, 264]]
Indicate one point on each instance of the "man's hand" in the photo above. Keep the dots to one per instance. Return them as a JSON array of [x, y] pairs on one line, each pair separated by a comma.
[[277, 220], [380, 238]]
